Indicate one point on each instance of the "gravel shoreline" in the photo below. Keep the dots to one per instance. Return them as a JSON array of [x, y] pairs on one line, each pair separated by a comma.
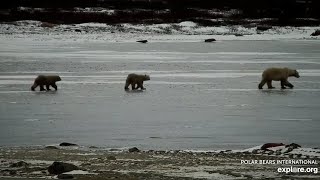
[[96, 163]]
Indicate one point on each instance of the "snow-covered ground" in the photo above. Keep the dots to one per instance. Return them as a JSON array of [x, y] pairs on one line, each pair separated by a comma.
[[184, 31], [150, 164]]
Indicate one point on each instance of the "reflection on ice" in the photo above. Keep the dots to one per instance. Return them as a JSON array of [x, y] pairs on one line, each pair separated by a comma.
[[31, 120], [267, 90], [6, 92], [293, 119]]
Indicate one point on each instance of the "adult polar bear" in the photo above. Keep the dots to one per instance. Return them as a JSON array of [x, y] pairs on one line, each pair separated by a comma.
[[46, 81], [136, 79], [278, 74]]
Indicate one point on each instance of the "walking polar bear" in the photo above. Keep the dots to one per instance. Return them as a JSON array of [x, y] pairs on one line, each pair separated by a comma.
[[136, 79], [278, 74], [46, 81]]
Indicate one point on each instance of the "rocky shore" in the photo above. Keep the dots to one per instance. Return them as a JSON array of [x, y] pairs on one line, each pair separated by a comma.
[[186, 31], [75, 162]]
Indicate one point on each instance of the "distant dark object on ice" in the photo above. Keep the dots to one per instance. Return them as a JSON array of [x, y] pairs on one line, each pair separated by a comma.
[[134, 149], [60, 167], [263, 28], [210, 40], [270, 145], [67, 144], [65, 176], [142, 41], [316, 33], [77, 30]]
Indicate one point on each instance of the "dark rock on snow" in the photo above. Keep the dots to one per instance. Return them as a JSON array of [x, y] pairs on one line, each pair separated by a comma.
[[238, 35], [210, 40], [293, 146], [142, 41], [316, 33], [51, 147], [67, 144], [114, 150], [60, 167], [134, 149], [263, 28], [270, 145]]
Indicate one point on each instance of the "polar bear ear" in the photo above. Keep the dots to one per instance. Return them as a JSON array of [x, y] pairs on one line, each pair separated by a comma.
[[147, 77], [296, 73]]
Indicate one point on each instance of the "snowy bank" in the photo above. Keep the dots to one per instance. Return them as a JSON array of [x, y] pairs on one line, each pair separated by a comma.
[[184, 31]]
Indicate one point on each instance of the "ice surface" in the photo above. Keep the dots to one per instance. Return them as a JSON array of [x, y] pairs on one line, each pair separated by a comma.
[[200, 96]]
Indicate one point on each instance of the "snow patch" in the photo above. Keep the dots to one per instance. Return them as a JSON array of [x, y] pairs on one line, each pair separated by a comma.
[[82, 154], [187, 24], [79, 172], [36, 162]]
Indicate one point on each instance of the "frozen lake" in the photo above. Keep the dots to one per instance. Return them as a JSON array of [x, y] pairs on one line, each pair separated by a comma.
[[200, 96]]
